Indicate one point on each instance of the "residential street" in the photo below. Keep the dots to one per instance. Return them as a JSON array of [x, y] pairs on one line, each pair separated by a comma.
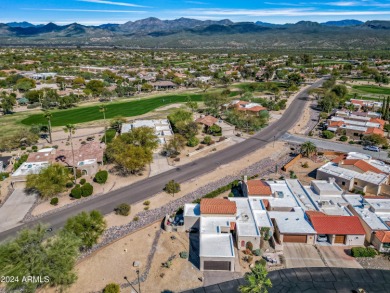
[[336, 146], [146, 188]]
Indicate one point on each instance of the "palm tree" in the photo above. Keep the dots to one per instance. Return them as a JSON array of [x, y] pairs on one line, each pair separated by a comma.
[[308, 148], [48, 116], [71, 129], [257, 280], [103, 109]]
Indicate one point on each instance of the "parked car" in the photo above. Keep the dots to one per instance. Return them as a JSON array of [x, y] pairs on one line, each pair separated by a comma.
[[372, 148], [322, 238]]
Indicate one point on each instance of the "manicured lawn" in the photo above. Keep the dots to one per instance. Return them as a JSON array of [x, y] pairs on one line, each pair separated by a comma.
[[125, 109], [372, 89]]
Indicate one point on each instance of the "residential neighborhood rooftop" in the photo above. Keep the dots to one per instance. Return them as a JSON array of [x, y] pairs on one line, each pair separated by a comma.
[[292, 222], [340, 225], [216, 245]]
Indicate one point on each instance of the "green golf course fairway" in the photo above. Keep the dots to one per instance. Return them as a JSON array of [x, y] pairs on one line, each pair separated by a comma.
[[372, 89], [124, 109]]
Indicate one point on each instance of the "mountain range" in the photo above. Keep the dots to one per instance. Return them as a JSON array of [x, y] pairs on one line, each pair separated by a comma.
[[192, 33]]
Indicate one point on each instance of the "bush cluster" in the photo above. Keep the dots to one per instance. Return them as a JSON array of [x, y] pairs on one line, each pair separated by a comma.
[[79, 191], [123, 209], [363, 252]]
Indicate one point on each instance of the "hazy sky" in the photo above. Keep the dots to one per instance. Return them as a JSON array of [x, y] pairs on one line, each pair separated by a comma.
[[119, 11]]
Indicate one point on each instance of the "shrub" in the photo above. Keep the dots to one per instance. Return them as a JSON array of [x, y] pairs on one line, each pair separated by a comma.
[[343, 138], [249, 259], [249, 245], [101, 177], [54, 201], [123, 209], [263, 262], [222, 138], [69, 184], [328, 134], [23, 148], [86, 189], [146, 208], [76, 192], [193, 142], [112, 288], [231, 194], [257, 252], [363, 252], [82, 181], [207, 140], [34, 148], [351, 142], [311, 133], [78, 173], [183, 254], [3, 176], [305, 165], [135, 219], [146, 202]]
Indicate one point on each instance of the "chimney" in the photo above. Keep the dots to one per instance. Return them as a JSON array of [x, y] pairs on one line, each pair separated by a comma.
[[245, 178]]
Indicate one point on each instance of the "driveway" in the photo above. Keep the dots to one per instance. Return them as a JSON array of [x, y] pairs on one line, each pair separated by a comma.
[[336, 256], [159, 165], [15, 208], [299, 255]]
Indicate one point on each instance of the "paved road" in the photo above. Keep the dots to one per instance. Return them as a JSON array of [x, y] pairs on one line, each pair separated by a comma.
[[141, 190], [331, 145], [321, 280]]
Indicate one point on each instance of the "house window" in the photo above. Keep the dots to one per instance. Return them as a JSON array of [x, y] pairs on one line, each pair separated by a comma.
[[386, 245], [355, 183], [356, 134], [343, 183], [242, 243]]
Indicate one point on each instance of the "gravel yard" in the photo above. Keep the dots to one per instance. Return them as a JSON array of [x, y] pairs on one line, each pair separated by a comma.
[[380, 262]]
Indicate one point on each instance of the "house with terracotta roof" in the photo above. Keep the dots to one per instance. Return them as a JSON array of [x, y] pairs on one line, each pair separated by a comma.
[[344, 230], [381, 240], [247, 107], [355, 127]]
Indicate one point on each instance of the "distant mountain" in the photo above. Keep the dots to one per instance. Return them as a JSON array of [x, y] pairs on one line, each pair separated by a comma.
[[267, 24], [186, 33], [342, 23], [22, 24]]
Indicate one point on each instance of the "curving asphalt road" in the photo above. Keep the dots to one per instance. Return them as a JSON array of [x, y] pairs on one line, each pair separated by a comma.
[[141, 190]]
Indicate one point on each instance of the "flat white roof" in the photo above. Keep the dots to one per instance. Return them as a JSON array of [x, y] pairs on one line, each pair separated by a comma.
[[245, 221], [379, 205], [294, 222], [324, 187], [216, 245], [283, 196], [191, 210], [212, 225], [262, 219], [365, 213], [371, 177], [30, 168], [300, 193]]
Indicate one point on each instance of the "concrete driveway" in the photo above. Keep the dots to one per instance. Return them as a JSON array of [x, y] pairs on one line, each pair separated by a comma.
[[15, 208], [337, 257], [159, 165], [299, 255]]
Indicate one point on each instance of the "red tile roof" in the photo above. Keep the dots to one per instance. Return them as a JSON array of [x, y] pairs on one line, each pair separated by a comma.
[[336, 123], [207, 120], [373, 130], [258, 187], [311, 214], [339, 158], [377, 120], [362, 165], [383, 236], [217, 206], [357, 102], [340, 225]]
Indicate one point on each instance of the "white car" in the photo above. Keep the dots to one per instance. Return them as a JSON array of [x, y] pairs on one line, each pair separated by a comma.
[[322, 238], [372, 148]]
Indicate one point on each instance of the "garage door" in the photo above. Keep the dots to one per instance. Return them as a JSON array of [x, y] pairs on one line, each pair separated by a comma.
[[216, 265], [339, 239], [294, 238]]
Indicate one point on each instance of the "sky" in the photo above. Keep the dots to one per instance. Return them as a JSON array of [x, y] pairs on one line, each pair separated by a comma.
[[95, 12]]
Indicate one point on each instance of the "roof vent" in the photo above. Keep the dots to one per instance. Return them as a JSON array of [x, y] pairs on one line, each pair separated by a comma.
[[286, 219], [297, 219]]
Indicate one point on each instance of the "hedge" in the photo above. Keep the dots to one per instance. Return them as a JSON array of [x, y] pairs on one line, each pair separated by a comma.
[[219, 191], [363, 252]]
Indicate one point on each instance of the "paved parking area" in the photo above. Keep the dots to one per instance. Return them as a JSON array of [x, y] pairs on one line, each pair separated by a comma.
[[299, 255], [15, 208], [337, 256], [321, 280]]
